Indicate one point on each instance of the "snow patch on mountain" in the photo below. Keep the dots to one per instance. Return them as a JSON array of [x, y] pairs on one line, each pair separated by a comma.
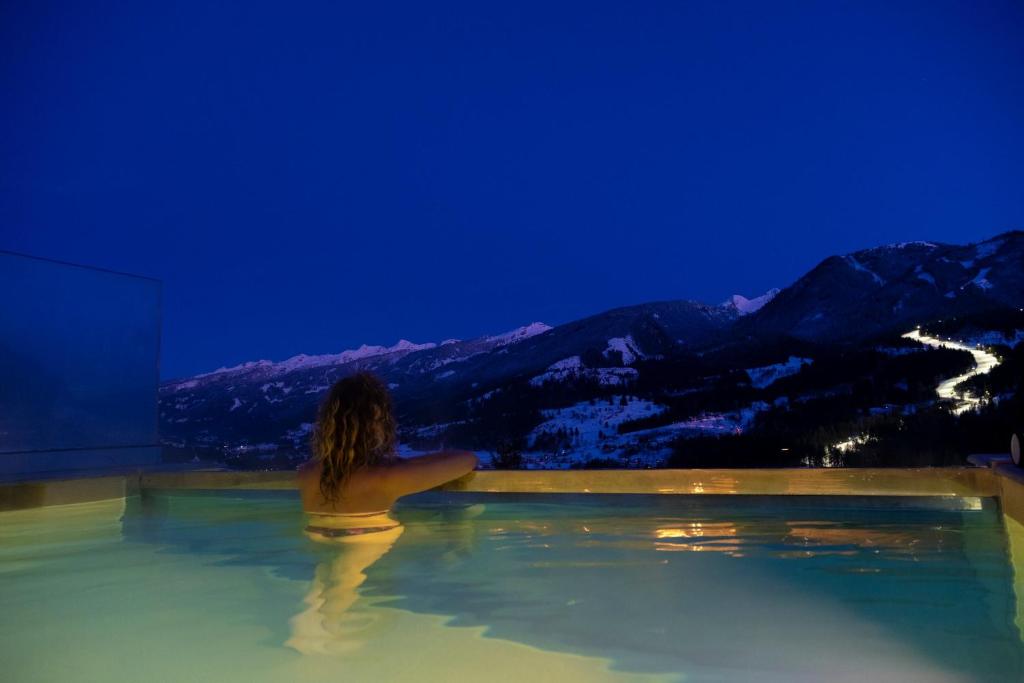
[[924, 275], [572, 368], [572, 363], [485, 396], [482, 345], [587, 431], [986, 249], [709, 423], [519, 334], [591, 431], [904, 245], [560, 371], [600, 417], [303, 361], [860, 267], [402, 348], [441, 362], [745, 306], [625, 346], [365, 351], [614, 377], [764, 376], [250, 365], [980, 280]]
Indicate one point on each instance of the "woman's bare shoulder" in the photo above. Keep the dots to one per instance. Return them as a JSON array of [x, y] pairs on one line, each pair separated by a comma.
[[407, 475]]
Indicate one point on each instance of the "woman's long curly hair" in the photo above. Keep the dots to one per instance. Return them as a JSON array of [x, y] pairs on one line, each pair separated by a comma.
[[355, 427]]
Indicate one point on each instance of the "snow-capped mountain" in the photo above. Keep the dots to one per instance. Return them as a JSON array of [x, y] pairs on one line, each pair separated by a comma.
[[267, 368], [448, 351], [869, 292], [267, 401], [507, 382], [264, 400]]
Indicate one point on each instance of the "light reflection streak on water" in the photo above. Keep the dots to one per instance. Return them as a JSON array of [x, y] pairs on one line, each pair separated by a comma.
[[790, 539], [795, 540], [984, 362]]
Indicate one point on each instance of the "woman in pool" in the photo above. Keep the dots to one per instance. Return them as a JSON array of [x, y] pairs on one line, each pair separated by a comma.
[[347, 489], [354, 476]]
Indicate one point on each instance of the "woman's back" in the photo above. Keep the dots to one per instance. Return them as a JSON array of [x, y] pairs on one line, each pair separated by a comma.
[[375, 488], [354, 469]]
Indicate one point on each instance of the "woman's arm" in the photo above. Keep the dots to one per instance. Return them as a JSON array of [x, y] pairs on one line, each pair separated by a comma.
[[427, 471]]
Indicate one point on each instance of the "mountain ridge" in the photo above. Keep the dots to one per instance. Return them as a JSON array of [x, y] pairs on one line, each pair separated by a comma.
[[895, 285], [843, 300]]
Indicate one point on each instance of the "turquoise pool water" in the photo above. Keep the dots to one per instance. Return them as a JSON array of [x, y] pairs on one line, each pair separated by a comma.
[[225, 587]]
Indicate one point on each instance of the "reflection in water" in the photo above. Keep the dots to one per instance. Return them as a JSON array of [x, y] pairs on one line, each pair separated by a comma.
[[797, 539], [329, 624], [325, 626], [699, 536]]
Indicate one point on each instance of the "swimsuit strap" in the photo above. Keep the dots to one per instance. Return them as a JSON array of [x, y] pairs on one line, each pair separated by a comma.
[[354, 531], [334, 525], [350, 514]]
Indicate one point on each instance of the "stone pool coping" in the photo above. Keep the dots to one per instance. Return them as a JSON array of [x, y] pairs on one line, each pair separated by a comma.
[[995, 479]]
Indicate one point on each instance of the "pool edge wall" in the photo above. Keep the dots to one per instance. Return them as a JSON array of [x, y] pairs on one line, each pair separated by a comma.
[[36, 494], [952, 481]]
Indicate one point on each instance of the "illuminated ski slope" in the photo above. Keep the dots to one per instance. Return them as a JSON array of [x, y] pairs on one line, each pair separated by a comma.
[[983, 363]]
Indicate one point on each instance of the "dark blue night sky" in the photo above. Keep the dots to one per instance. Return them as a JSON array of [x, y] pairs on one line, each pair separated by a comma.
[[306, 177]]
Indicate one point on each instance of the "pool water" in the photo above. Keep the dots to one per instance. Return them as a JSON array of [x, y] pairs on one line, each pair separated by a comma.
[[224, 586]]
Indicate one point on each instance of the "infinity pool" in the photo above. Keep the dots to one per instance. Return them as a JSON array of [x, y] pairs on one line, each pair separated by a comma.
[[224, 586]]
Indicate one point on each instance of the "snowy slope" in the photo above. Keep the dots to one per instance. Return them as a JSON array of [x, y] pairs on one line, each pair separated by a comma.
[[589, 431]]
